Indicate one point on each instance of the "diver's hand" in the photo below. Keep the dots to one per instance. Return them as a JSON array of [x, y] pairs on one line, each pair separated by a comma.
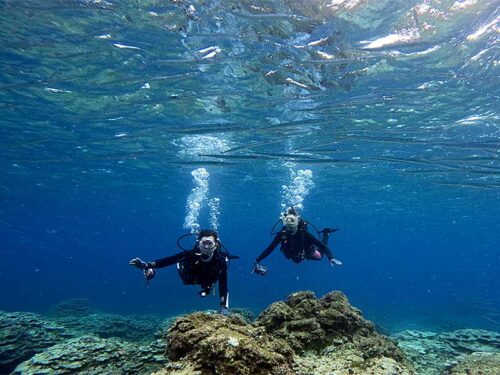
[[204, 292], [259, 270], [138, 263], [334, 262], [149, 273]]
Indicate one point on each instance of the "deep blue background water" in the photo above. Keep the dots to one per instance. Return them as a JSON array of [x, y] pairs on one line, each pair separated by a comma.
[[429, 261], [402, 140]]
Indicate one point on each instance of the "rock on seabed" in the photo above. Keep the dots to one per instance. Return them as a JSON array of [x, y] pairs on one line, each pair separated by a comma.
[[92, 355], [465, 351], [302, 335], [299, 336], [22, 335]]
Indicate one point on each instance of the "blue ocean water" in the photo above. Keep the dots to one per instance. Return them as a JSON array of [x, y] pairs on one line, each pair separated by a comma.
[[377, 117]]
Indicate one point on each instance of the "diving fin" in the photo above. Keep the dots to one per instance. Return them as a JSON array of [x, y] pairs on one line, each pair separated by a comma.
[[329, 230]]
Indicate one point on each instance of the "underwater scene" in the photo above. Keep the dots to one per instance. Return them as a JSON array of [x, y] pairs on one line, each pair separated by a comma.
[[287, 187]]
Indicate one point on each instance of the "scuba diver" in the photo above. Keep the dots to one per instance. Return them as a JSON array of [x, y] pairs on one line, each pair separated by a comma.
[[205, 264], [297, 243]]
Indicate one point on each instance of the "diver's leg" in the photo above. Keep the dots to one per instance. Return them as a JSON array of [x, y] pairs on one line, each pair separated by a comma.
[[325, 236], [315, 253]]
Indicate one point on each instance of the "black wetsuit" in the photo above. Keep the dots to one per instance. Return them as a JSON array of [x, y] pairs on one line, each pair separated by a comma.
[[298, 246], [193, 270]]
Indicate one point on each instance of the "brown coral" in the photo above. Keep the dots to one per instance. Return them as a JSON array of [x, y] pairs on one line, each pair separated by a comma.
[[302, 335], [308, 323], [214, 344]]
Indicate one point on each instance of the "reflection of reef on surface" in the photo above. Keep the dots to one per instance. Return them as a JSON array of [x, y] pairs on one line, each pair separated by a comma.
[[302, 335]]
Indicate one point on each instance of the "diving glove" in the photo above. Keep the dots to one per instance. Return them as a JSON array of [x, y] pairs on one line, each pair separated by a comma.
[[259, 270], [139, 263], [149, 273]]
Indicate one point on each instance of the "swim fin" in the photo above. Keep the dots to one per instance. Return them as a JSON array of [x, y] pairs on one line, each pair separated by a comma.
[[329, 230]]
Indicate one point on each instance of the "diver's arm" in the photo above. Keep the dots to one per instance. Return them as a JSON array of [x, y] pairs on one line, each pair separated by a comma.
[[167, 261], [223, 290], [324, 248], [270, 248]]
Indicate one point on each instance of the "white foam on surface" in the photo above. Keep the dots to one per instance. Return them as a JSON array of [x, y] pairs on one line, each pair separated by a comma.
[[492, 26], [124, 46], [461, 5], [343, 4], [402, 37], [196, 145]]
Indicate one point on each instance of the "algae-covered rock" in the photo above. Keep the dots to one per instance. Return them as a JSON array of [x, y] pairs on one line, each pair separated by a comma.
[[300, 336], [303, 335], [214, 344], [22, 335], [348, 363], [308, 323], [246, 314], [92, 355], [476, 364], [330, 336]]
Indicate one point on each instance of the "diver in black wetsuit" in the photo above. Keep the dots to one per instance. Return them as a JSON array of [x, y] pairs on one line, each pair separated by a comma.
[[203, 265], [297, 243]]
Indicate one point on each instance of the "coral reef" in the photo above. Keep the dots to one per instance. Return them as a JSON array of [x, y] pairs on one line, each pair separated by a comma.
[[246, 314], [80, 315], [476, 364], [22, 335], [214, 344], [303, 335], [132, 328], [96, 356], [331, 335], [433, 353], [308, 323], [76, 307]]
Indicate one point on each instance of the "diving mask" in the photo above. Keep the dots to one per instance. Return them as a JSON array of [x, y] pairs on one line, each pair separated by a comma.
[[207, 246], [291, 222]]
